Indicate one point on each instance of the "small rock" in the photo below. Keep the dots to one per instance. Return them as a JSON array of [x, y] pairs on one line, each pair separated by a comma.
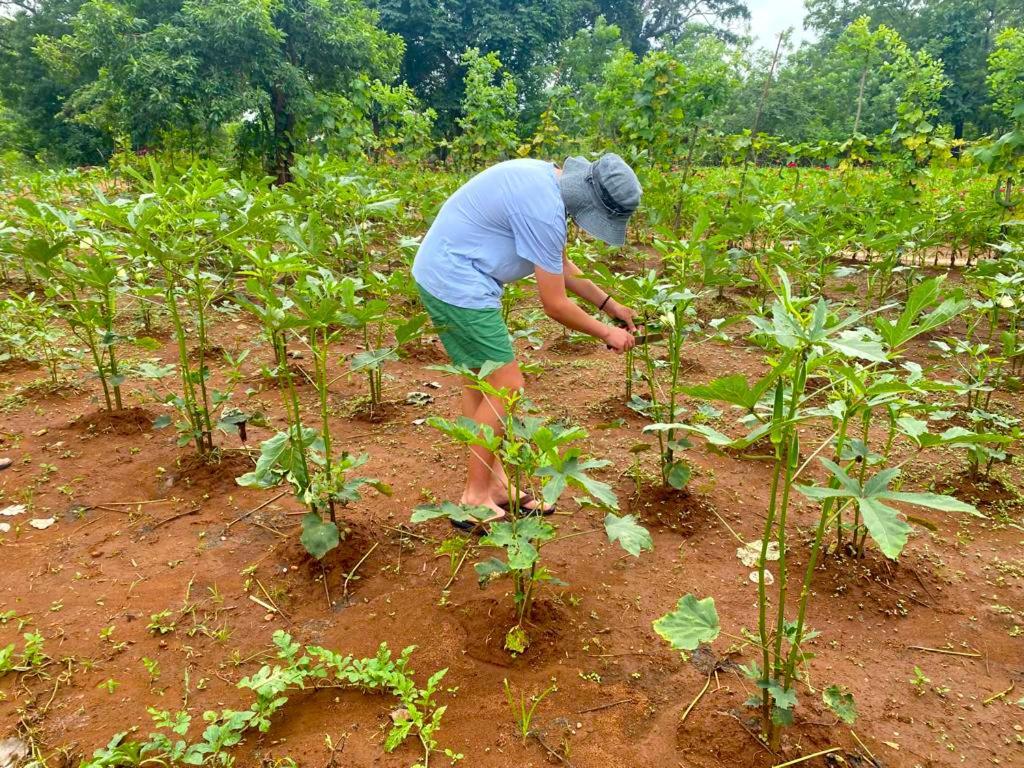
[[399, 714], [5, 462], [5, 527], [96, 553], [269, 617], [294, 354], [12, 752], [434, 384], [419, 398], [768, 578], [14, 509], [40, 432], [418, 422], [42, 523]]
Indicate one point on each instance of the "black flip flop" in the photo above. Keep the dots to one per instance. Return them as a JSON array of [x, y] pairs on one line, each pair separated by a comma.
[[525, 511], [477, 529]]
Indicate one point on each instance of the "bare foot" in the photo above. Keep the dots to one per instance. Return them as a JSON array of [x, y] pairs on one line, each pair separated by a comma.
[[527, 503]]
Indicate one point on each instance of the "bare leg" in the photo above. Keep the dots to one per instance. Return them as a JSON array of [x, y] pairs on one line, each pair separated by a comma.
[[485, 474], [472, 400]]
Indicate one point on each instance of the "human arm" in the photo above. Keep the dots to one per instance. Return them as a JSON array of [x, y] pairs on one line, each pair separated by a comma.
[[557, 305], [586, 290]]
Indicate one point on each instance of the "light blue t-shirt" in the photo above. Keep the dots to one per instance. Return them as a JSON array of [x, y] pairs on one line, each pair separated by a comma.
[[493, 230]]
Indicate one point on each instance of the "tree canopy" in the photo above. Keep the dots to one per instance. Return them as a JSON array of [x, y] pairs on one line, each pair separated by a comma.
[[259, 78]]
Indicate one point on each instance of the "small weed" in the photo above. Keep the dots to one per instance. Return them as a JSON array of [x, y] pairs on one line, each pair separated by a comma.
[[919, 681], [522, 709], [160, 624]]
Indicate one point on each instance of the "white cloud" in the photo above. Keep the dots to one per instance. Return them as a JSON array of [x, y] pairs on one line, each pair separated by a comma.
[[769, 17]]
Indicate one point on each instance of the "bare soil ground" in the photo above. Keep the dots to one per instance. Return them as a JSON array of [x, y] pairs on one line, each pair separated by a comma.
[[143, 529]]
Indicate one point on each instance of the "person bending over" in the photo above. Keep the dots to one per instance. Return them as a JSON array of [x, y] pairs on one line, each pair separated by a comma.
[[504, 224]]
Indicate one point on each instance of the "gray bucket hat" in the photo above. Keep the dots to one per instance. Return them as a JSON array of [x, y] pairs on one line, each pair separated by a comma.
[[600, 196]]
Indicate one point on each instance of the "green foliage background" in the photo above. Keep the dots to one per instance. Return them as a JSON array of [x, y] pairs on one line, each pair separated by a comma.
[[258, 80]]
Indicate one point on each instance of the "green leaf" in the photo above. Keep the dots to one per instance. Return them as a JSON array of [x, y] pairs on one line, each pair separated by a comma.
[[691, 623], [489, 569], [886, 527], [410, 329], [782, 716], [318, 536], [784, 699], [457, 512], [148, 343], [517, 539], [841, 703], [280, 458], [932, 501], [854, 344], [679, 475], [628, 532], [162, 421], [733, 389], [373, 359], [571, 470]]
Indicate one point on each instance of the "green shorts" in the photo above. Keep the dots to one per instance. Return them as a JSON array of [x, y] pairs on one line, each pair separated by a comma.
[[471, 337]]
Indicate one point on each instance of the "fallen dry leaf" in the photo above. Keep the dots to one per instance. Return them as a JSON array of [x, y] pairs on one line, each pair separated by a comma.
[[750, 553]]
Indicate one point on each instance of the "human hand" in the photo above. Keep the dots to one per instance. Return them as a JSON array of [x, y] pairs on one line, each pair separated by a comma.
[[618, 339], [622, 313]]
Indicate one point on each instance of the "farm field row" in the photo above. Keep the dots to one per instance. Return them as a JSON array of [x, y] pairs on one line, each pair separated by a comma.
[[790, 525]]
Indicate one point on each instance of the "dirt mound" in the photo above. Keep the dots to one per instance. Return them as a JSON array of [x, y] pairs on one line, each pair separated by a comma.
[[127, 421], [206, 474], [487, 620]]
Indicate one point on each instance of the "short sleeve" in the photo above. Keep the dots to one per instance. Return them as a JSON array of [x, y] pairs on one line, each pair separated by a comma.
[[539, 240]]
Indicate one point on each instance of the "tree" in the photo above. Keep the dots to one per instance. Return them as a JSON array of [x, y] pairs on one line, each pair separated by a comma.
[[1006, 74], [653, 105], [868, 50], [960, 33], [146, 69], [1004, 156], [671, 19], [489, 109], [34, 98], [525, 34]]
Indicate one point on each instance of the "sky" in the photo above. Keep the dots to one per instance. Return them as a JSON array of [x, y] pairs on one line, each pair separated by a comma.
[[769, 17]]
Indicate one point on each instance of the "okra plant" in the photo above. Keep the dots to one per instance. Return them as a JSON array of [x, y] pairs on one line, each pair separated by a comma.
[[30, 330], [540, 461], [81, 270], [195, 269], [302, 455], [806, 337]]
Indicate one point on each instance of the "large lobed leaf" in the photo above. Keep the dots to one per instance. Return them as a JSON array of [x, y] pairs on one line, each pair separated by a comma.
[[884, 523], [628, 532], [691, 623]]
